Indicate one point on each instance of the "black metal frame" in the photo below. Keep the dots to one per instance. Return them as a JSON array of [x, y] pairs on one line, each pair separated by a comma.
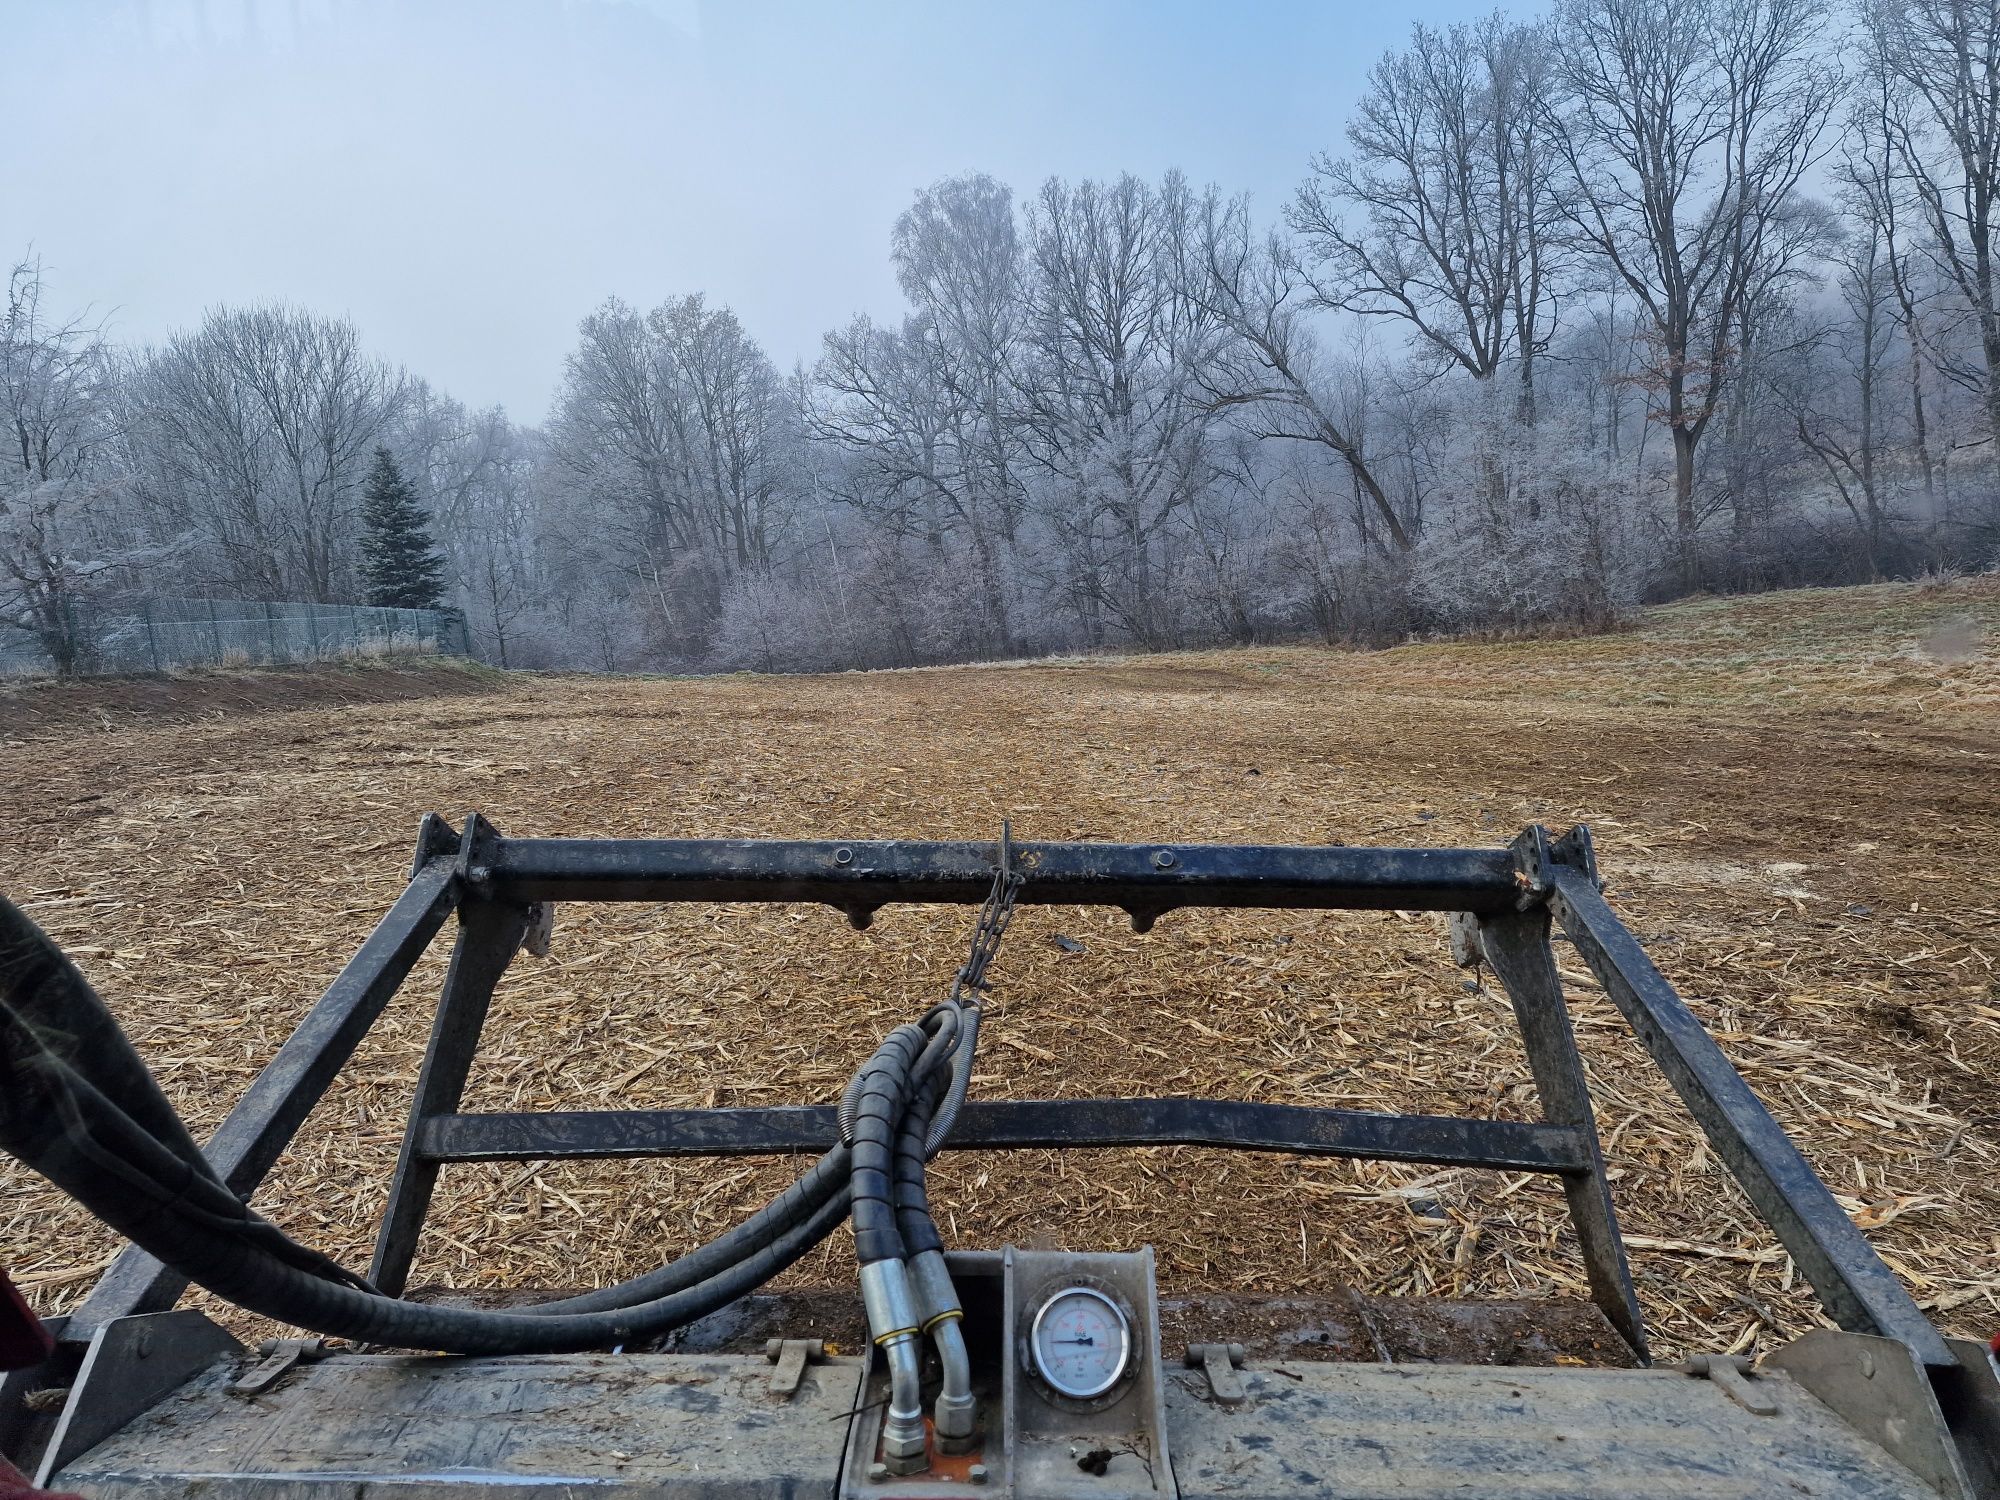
[[1507, 901]]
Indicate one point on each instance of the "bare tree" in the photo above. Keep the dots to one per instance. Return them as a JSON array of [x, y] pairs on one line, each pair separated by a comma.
[[253, 431], [672, 427], [924, 462], [1116, 416], [1937, 104], [57, 421], [1686, 128], [958, 257], [1441, 215], [1268, 373]]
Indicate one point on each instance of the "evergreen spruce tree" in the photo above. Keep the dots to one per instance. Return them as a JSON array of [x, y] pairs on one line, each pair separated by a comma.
[[400, 566]]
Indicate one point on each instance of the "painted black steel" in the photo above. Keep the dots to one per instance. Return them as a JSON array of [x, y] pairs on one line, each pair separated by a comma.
[[260, 1127], [1516, 944], [489, 934], [1503, 887], [1020, 1124], [1857, 1290], [1140, 877]]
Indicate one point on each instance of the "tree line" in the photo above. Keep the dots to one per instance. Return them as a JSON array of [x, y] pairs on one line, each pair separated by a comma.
[[1643, 297]]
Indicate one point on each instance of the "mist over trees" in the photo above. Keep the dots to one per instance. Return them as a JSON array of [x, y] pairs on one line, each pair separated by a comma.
[[1642, 297]]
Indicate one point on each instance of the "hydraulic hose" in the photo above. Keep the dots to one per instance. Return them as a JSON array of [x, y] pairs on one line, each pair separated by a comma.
[[879, 1104], [245, 1273], [938, 1311], [70, 1082], [78, 1104], [825, 1180], [961, 1081], [820, 1182], [48, 994], [64, 1053], [62, 1124], [913, 1209]]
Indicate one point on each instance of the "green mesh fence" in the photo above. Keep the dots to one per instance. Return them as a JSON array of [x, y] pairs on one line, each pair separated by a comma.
[[158, 635]]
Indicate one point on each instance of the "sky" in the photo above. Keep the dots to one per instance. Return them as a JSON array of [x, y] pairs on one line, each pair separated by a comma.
[[466, 179]]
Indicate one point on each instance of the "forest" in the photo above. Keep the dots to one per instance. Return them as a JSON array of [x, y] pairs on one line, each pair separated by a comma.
[[1636, 299]]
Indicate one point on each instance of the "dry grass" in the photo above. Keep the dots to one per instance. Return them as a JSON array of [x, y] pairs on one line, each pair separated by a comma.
[[1795, 799]]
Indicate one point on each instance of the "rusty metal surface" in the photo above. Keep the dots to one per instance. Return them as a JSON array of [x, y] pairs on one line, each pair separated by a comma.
[[1401, 1330], [1362, 1432], [537, 1428], [621, 1427]]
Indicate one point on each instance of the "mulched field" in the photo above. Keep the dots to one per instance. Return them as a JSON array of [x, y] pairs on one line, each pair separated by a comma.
[[1796, 801]]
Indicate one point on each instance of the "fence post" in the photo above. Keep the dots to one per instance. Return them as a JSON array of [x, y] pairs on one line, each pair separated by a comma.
[[215, 629], [152, 640], [73, 634], [312, 628], [271, 627]]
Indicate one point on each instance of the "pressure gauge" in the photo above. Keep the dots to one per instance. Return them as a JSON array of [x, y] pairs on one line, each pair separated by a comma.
[[1080, 1343]]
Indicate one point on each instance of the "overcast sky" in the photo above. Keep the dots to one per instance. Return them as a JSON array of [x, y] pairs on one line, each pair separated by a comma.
[[467, 178]]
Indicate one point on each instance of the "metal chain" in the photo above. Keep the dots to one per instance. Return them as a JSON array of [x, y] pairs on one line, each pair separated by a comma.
[[967, 989], [994, 916]]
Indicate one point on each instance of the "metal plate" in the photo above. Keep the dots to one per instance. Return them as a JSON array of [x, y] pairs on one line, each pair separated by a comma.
[[1373, 1432], [536, 1428], [130, 1364]]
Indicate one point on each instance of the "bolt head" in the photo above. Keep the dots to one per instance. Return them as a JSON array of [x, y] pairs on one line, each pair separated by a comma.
[[877, 1473], [895, 1448], [907, 1463], [977, 1474]]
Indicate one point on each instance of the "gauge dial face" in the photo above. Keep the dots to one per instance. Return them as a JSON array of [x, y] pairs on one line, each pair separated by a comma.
[[1081, 1343]]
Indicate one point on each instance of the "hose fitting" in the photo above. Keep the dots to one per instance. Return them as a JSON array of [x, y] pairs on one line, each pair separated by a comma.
[[956, 1413], [893, 1324]]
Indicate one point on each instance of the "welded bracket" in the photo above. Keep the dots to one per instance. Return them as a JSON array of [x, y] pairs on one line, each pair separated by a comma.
[[478, 850], [1880, 1389], [791, 1356], [130, 1364], [1467, 951], [541, 928], [1537, 856], [1731, 1374], [436, 839], [1220, 1363], [281, 1356]]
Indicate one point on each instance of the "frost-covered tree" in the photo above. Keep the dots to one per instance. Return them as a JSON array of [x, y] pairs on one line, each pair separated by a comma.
[[1686, 129], [252, 433], [1443, 212], [58, 542], [675, 429], [1115, 414]]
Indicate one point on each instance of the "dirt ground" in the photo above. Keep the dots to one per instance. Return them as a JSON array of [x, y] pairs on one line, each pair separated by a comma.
[[1796, 801]]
